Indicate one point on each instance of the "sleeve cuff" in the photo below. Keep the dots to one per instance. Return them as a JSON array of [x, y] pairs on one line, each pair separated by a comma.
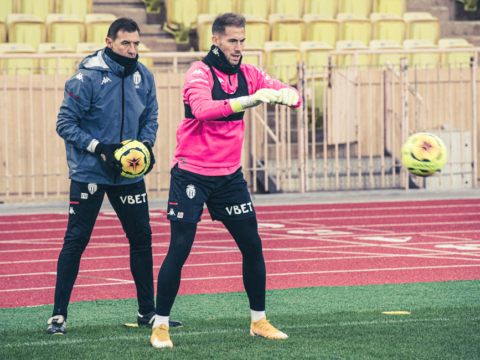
[[93, 145]]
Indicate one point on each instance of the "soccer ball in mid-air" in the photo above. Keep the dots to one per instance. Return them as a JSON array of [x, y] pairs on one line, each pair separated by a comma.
[[424, 154], [135, 158]]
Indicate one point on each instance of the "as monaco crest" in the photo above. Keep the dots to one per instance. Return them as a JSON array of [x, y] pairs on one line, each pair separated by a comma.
[[137, 79], [191, 191], [92, 188]]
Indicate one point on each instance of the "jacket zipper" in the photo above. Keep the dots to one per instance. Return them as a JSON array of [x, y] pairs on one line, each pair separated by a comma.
[[123, 120]]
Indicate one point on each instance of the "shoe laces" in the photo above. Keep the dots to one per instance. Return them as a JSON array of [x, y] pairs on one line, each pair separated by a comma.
[[161, 333]]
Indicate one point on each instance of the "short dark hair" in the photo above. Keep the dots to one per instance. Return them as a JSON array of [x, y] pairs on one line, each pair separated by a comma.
[[228, 19], [122, 24]]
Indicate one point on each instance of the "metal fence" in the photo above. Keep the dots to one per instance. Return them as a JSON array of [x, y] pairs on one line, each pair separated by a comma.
[[347, 134]]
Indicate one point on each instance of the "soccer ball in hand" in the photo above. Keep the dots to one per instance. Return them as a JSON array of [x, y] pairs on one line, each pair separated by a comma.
[[424, 154], [135, 158]]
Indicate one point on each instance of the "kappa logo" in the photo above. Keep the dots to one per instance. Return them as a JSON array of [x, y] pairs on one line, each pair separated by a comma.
[[92, 188], [198, 72], [105, 80], [215, 51], [137, 79], [171, 212], [84, 196], [79, 76], [71, 210], [191, 191]]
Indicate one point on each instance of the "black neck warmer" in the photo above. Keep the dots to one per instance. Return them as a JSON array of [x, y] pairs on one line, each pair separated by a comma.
[[217, 59], [128, 63]]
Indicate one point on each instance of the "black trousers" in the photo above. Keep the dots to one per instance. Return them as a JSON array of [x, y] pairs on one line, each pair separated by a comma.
[[131, 205]]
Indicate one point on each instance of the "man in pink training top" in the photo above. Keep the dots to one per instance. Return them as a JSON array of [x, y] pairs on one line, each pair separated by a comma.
[[206, 169]]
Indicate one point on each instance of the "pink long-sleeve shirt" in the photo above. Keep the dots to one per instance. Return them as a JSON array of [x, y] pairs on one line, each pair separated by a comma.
[[206, 146]]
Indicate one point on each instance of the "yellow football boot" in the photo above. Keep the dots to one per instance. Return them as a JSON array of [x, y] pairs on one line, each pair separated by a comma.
[[263, 328], [161, 337]]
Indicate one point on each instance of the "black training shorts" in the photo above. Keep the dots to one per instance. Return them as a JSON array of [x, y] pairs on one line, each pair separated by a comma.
[[227, 197]]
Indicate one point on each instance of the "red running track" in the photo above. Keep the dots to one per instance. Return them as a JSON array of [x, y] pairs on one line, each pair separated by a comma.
[[304, 245]]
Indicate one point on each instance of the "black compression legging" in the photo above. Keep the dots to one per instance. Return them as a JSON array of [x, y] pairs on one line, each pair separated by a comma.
[[245, 234]]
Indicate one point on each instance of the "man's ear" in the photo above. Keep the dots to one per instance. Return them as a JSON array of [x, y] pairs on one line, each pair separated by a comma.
[[215, 40], [109, 42]]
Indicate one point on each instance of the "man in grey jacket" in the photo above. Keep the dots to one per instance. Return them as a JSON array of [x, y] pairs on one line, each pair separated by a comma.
[[111, 98]]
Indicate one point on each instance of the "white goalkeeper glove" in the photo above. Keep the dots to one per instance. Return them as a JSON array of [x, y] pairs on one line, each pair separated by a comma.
[[261, 96], [288, 97]]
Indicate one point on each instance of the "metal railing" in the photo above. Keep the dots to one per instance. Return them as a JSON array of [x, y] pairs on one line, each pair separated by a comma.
[[346, 135]]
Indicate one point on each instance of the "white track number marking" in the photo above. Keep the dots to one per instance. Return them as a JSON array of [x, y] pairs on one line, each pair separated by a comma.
[[460, 247], [387, 239], [270, 226]]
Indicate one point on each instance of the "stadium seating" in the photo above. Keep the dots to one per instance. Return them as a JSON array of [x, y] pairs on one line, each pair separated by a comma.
[[321, 28], [381, 59], [257, 29], [346, 60], [421, 58], [422, 26], [66, 29], [254, 7], [388, 27], [97, 26], [457, 59], [282, 59], [3, 32], [215, 7], [24, 66], [287, 7], [89, 48], [143, 49], [361, 7], [469, 5], [204, 30], [67, 66], [26, 29], [325, 7], [152, 6], [79, 8], [39, 8], [355, 27], [252, 59], [287, 28], [181, 17], [396, 7], [315, 54], [8, 7]]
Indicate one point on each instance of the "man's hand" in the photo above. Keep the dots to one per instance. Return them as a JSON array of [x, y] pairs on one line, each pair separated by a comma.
[[106, 152], [152, 158], [261, 96], [288, 97]]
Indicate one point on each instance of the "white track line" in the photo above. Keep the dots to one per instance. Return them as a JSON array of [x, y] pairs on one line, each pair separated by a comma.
[[277, 220], [269, 275], [361, 209], [240, 263], [261, 212]]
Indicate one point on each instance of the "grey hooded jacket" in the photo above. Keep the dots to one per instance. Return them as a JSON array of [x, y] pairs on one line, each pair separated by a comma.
[[101, 105]]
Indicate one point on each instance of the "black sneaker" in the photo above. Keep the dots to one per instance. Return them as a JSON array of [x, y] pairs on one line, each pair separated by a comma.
[[147, 320], [57, 325]]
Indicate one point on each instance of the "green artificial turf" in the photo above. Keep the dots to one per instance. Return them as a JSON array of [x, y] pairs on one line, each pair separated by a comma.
[[322, 323]]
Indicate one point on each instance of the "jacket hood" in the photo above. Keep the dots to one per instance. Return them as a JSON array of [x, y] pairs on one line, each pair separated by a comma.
[[101, 62]]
